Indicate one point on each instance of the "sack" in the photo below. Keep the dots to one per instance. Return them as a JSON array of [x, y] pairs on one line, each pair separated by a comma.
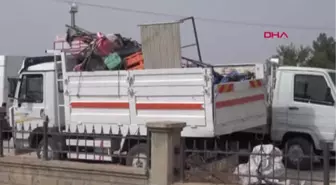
[[265, 160], [113, 61]]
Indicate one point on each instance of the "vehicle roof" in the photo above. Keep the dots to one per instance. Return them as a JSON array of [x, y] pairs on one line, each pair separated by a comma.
[[50, 66], [39, 63], [295, 68]]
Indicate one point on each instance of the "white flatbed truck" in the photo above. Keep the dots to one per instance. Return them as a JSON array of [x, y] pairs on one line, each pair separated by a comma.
[[123, 101]]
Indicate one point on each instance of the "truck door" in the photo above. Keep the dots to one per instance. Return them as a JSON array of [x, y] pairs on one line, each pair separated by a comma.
[[29, 106], [312, 107]]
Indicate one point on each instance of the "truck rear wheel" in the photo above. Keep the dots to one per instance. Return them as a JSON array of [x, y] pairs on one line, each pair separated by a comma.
[[299, 153], [137, 156], [53, 151]]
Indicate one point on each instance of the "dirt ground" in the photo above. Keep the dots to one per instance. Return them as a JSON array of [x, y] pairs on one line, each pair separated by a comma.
[[222, 172]]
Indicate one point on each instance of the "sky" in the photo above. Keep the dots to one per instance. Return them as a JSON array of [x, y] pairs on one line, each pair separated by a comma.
[[230, 31]]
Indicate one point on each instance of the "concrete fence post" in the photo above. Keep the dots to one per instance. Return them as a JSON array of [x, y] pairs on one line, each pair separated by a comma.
[[165, 140]]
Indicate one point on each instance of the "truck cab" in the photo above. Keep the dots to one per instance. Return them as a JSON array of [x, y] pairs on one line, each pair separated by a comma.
[[35, 96], [303, 111]]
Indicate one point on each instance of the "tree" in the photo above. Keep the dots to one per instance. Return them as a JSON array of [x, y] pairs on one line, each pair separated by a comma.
[[321, 54], [292, 56]]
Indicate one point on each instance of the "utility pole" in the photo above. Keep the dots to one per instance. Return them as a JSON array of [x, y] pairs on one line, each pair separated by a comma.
[[73, 11]]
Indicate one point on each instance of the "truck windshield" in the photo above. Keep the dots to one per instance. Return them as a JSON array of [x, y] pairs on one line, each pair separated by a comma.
[[332, 76]]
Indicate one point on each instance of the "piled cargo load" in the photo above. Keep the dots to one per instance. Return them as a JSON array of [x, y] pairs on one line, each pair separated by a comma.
[[97, 51]]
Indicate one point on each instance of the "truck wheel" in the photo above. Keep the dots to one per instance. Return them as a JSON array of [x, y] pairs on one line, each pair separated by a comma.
[[52, 149], [137, 156], [299, 153]]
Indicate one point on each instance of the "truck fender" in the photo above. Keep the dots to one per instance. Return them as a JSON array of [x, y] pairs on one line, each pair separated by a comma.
[[308, 136]]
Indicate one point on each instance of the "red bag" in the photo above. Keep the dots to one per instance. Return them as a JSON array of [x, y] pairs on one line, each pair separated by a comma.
[[103, 46]]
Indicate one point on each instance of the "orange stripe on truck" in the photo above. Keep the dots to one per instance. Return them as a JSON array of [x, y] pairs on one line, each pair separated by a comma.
[[169, 106], [101, 105], [166, 106], [223, 88], [255, 83], [139, 106], [238, 101]]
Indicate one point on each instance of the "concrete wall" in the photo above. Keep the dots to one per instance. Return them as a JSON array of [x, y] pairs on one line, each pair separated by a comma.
[[30, 171], [165, 138]]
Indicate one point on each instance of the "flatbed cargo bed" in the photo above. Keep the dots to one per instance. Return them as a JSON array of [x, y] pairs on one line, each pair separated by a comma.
[[129, 99]]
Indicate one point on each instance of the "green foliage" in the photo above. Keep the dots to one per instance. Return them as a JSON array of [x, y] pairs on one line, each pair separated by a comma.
[[321, 54]]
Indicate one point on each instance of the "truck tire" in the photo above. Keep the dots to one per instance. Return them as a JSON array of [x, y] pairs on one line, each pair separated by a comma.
[[137, 156], [53, 151], [299, 153]]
